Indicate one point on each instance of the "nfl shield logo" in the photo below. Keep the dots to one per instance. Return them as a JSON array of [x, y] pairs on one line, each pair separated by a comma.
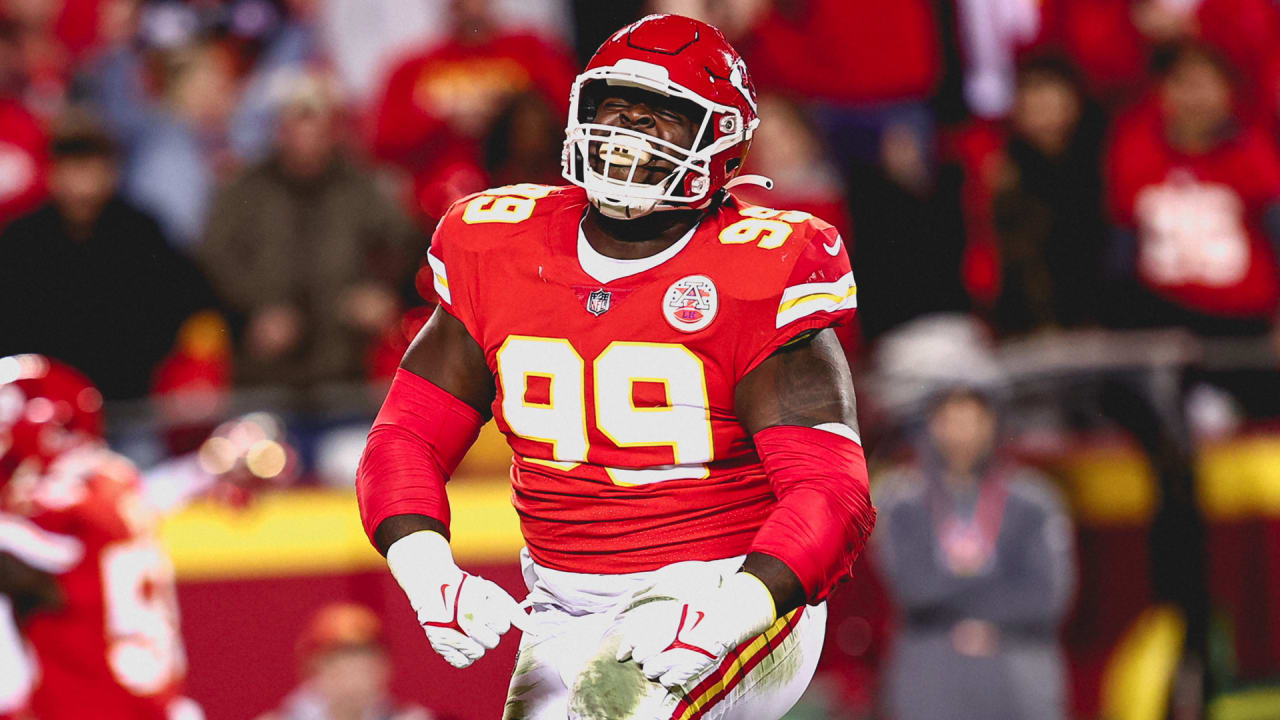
[[598, 301]]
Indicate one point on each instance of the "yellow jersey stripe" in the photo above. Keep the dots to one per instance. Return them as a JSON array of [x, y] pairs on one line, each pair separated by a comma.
[[833, 297], [761, 642]]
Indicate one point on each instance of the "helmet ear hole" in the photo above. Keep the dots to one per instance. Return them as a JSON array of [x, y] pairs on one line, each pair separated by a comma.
[[732, 164]]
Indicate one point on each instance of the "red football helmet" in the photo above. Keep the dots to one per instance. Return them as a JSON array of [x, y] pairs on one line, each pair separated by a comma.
[[677, 57], [46, 408]]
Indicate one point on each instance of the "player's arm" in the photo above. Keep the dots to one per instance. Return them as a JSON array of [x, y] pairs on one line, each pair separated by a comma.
[[799, 407], [29, 588], [434, 409], [445, 356], [30, 560]]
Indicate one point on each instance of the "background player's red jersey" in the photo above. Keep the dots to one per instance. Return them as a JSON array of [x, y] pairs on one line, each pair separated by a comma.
[[615, 378], [113, 650]]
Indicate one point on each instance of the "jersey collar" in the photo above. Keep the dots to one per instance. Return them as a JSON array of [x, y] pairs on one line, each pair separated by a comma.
[[604, 269]]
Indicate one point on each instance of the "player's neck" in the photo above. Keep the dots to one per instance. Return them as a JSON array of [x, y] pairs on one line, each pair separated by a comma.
[[638, 238]]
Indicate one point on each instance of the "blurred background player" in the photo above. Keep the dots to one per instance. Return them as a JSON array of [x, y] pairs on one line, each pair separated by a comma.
[[112, 642], [345, 670]]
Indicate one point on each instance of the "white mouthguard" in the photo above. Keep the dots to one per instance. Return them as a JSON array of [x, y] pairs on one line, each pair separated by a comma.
[[625, 152]]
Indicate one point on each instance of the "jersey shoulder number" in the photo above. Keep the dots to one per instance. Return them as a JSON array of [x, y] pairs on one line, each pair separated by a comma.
[[494, 220], [804, 263]]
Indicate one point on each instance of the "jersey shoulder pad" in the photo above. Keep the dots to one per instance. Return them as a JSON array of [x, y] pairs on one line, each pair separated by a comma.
[[787, 236], [492, 224], [83, 478], [801, 257]]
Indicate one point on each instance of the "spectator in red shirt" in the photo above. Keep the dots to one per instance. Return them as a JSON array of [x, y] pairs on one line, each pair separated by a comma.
[[23, 161], [866, 67], [1195, 195], [869, 65], [1112, 40], [855, 52], [440, 103], [23, 142]]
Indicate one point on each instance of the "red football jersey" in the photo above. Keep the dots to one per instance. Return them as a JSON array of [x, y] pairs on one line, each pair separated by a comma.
[[1198, 218], [615, 379], [114, 649]]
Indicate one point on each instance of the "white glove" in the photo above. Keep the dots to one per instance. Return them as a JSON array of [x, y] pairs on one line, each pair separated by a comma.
[[463, 614], [678, 635]]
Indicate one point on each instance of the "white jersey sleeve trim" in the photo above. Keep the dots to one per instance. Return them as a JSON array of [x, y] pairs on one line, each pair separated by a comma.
[[802, 300], [439, 278]]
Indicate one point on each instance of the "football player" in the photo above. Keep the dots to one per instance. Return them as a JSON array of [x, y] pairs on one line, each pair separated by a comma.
[[659, 354], [109, 646]]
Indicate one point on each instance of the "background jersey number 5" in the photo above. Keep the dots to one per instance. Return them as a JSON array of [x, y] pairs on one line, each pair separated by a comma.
[[544, 399], [144, 647]]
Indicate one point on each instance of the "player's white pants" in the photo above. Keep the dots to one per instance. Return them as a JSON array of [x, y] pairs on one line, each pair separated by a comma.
[[567, 670]]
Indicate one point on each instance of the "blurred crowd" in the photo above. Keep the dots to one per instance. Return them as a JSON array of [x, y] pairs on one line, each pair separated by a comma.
[[239, 192]]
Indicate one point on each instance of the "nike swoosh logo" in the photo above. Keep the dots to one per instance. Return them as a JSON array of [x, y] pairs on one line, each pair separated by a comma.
[[678, 644], [834, 248], [695, 622], [444, 594]]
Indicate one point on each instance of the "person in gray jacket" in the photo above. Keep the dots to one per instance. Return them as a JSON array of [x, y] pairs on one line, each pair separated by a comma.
[[976, 551]]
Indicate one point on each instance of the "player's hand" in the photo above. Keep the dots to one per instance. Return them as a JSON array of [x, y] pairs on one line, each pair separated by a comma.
[[677, 635], [463, 614]]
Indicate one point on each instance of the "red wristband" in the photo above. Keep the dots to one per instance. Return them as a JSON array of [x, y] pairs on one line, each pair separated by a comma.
[[824, 514], [417, 441]]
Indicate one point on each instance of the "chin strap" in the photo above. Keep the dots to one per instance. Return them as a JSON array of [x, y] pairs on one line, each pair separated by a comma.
[[759, 180]]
